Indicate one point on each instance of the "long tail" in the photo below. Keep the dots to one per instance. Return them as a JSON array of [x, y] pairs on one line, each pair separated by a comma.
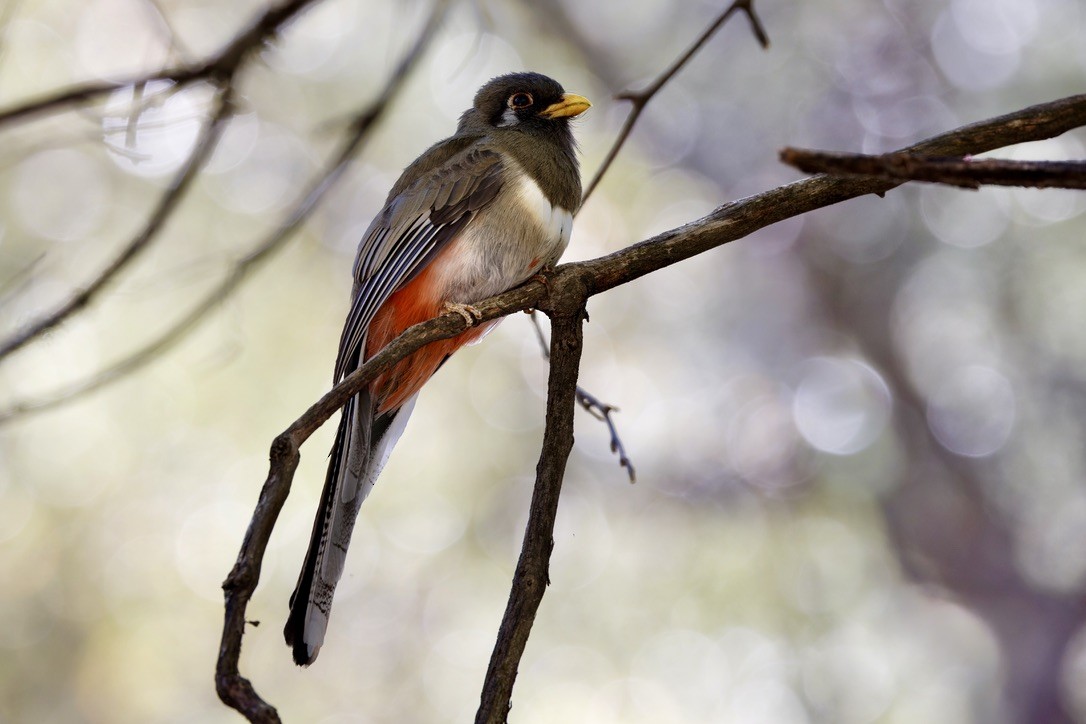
[[362, 446]]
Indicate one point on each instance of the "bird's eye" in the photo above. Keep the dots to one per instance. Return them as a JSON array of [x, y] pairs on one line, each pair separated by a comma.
[[520, 100]]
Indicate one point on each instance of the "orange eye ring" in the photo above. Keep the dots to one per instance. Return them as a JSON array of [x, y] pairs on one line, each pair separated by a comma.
[[518, 101]]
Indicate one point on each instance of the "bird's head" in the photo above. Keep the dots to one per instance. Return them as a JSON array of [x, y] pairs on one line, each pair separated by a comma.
[[523, 102]]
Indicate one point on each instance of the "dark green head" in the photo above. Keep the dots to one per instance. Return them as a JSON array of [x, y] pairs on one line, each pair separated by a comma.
[[529, 102], [527, 115]]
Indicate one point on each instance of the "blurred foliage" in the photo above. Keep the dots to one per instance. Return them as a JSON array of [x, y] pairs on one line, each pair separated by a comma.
[[858, 434]]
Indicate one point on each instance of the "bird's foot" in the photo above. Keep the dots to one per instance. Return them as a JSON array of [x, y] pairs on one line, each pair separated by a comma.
[[543, 276], [470, 314]]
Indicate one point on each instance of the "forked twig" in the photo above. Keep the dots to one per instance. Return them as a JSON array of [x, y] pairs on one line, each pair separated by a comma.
[[597, 408], [639, 100], [602, 412]]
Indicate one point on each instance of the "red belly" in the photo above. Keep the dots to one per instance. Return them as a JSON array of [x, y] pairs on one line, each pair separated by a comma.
[[417, 301]]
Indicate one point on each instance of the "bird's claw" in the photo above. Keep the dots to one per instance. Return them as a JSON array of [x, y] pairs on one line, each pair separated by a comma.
[[543, 276], [470, 314]]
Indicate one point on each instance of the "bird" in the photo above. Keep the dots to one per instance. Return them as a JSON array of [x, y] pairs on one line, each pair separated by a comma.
[[476, 214]]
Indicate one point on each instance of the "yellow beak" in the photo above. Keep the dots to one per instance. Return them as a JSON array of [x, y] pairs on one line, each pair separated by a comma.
[[570, 105]]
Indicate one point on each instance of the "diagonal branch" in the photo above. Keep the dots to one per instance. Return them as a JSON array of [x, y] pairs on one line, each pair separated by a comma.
[[568, 288], [234, 689], [350, 146], [86, 92], [640, 99]]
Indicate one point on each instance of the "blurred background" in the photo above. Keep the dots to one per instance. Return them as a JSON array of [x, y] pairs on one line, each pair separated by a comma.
[[858, 434]]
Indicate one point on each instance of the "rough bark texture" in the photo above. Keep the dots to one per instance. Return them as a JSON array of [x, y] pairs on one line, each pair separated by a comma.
[[532, 573]]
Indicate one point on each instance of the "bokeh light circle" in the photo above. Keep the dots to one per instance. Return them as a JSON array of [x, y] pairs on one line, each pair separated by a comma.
[[972, 412], [841, 405]]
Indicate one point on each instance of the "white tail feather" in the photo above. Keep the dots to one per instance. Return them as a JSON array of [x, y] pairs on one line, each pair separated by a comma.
[[359, 470]]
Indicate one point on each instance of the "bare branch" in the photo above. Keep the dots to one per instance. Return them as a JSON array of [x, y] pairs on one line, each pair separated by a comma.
[[359, 131], [739, 218], [566, 289], [85, 92], [640, 99], [235, 690], [532, 575], [954, 171]]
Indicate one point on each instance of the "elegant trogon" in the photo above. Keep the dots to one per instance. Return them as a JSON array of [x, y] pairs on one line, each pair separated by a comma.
[[474, 215]]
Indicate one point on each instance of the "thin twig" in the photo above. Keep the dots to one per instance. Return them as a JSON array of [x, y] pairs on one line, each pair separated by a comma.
[[954, 171], [640, 99], [603, 411], [572, 284], [131, 127], [600, 410], [359, 130]]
